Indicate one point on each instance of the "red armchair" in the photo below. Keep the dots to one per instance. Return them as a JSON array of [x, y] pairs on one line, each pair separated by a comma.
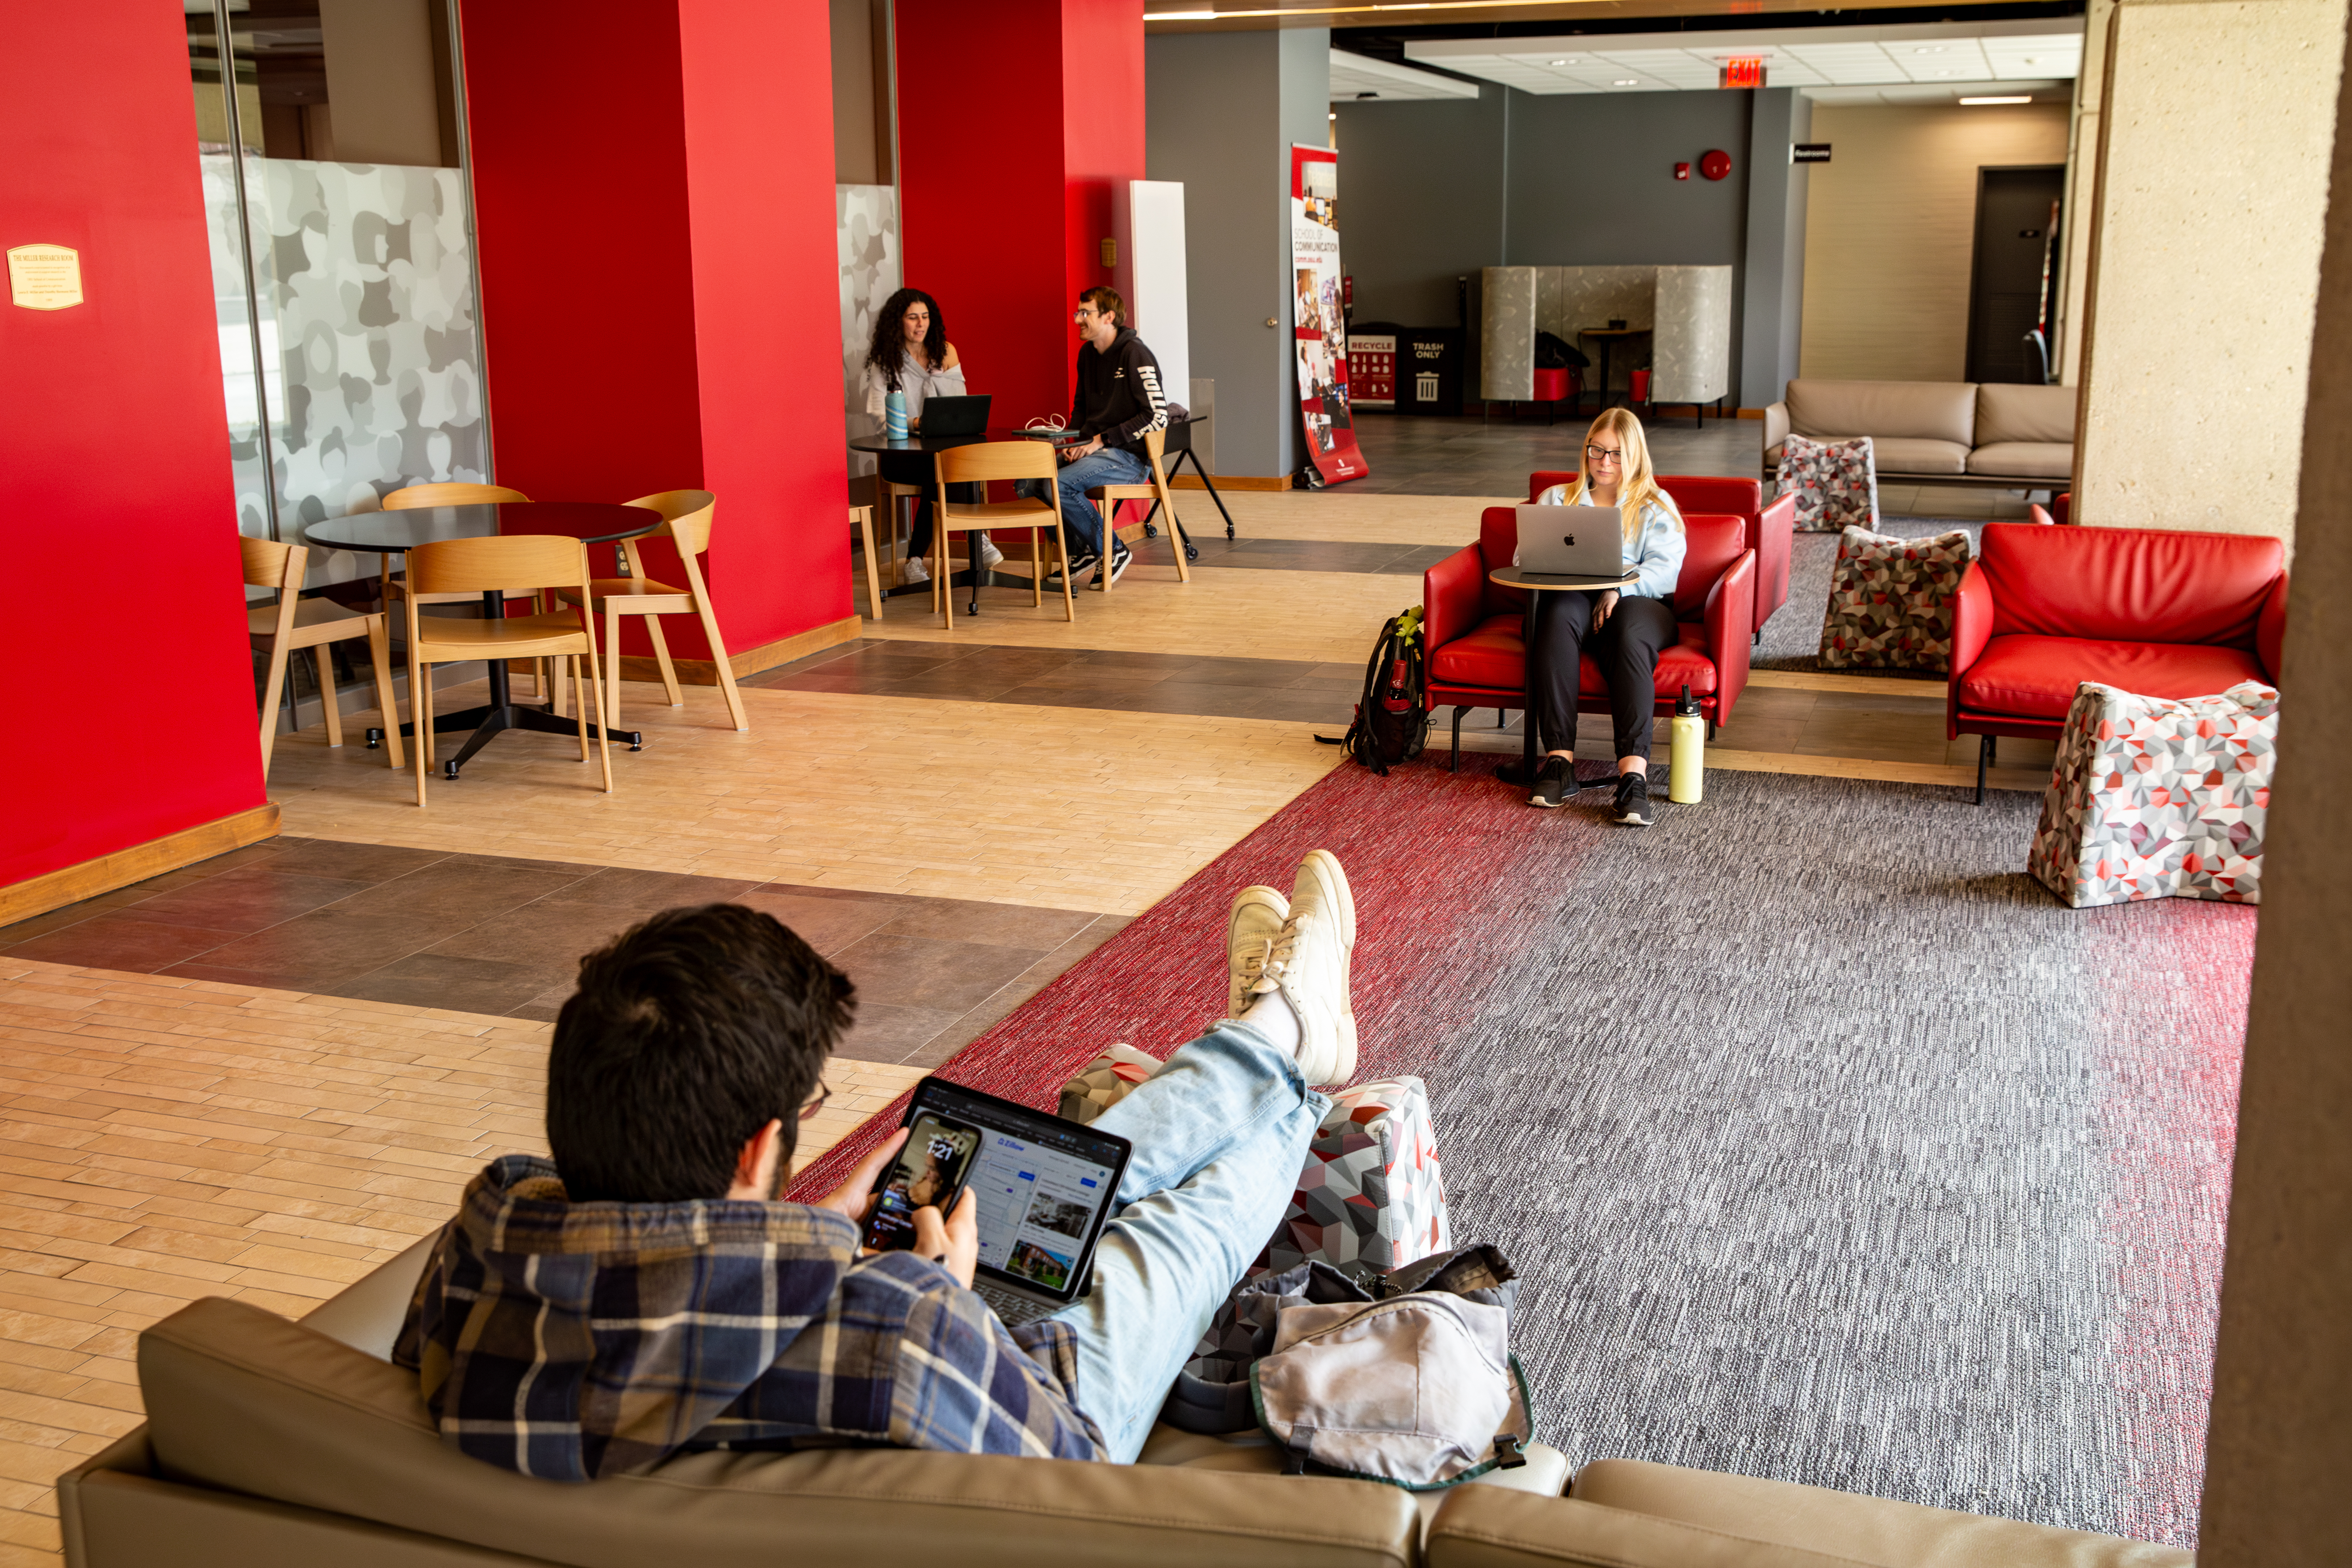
[[1770, 529], [1472, 627], [2154, 611]]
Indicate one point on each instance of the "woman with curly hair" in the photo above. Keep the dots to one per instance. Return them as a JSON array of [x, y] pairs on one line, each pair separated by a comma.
[[911, 355]]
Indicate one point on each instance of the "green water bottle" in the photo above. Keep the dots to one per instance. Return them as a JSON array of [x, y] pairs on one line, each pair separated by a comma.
[[1686, 765]]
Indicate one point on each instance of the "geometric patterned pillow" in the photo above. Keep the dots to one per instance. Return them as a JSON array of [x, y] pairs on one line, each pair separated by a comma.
[[2155, 797], [1891, 601], [1371, 1196], [1105, 1081], [1835, 483]]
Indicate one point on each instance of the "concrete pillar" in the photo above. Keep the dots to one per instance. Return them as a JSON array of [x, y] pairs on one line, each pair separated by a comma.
[[1773, 294], [2279, 1446], [2215, 125], [1225, 110]]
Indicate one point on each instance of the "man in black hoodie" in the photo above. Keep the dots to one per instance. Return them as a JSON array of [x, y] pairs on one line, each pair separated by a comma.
[[1119, 401]]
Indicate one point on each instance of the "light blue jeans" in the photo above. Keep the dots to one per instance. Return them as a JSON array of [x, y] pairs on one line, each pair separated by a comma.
[[1220, 1134], [1081, 523]]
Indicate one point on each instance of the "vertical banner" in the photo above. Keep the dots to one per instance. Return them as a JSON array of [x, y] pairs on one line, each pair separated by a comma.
[[1318, 321]]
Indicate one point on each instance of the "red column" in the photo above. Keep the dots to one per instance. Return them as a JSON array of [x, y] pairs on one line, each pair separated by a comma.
[[1016, 120], [131, 714], [653, 187]]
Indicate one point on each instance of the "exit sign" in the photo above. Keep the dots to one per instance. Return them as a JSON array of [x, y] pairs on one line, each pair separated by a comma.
[[1743, 72]]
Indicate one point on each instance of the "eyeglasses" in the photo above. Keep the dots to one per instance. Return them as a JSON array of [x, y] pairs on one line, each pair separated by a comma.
[[814, 1106], [1604, 455]]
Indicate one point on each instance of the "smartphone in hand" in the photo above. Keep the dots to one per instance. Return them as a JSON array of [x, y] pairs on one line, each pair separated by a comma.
[[929, 1173]]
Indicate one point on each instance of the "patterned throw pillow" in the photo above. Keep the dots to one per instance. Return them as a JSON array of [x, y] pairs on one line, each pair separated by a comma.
[[2154, 798], [1105, 1081], [1835, 482], [1891, 601], [1371, 1196]]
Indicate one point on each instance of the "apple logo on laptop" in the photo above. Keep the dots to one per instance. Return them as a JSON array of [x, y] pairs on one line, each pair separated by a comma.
[[1568, 539]]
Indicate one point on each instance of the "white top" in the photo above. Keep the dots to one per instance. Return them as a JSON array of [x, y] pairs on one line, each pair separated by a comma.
[[918, 380]]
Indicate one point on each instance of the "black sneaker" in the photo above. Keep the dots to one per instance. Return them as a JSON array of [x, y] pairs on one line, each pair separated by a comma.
[[1119, 557], [1079, 566], [1634, 799], [1553, 780]]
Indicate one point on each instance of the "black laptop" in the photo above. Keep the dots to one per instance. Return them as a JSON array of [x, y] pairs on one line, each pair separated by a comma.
[[955, 415]]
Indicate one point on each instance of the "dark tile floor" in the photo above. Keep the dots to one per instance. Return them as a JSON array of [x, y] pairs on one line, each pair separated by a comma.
[[479, 933], [1422, 455], [1080, 678]]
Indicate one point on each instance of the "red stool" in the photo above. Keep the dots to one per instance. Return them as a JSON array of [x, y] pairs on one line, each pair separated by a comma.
[[1552, 388]]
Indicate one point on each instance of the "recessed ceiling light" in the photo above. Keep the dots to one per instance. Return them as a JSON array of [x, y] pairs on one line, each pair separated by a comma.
[[1627, 82], [1977, 101], [1936, 50], [1564, 62]]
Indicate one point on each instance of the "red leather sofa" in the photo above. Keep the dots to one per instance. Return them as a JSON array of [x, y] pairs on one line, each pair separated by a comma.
[[2153, 611], [1471, 626], [1770, 529]]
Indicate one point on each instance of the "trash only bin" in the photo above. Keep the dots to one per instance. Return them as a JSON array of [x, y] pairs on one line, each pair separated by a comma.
[[1429, 371]]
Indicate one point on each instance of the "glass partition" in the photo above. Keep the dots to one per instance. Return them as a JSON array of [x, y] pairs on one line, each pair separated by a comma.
[[343, 285]]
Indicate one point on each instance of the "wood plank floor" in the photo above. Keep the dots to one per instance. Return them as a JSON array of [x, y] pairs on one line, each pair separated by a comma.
[[163, 1140]]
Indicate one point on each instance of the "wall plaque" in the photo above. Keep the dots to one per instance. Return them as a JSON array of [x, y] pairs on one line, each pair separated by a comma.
[[1810, 152], [45, 277]]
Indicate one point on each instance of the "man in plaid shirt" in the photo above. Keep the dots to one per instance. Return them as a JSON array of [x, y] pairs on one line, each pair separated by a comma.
[[645, 1292]]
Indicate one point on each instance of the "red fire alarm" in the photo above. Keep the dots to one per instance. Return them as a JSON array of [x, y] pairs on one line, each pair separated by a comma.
[[1716, 164], [1682, 171]]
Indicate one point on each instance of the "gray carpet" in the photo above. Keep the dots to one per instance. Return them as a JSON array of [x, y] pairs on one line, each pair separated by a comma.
[[1793, 637], [1834, 1150]]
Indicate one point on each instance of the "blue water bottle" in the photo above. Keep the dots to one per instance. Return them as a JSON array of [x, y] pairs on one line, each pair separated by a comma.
[[894, 416]]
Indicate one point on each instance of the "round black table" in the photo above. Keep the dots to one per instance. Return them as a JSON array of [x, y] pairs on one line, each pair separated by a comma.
[[1535, 582], [1177, 447], [397, 533]]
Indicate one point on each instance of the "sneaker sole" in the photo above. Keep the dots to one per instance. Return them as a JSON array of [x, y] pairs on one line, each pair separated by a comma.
[[1272, 898], [1536, 800], [1630, 819], [1339, 895]]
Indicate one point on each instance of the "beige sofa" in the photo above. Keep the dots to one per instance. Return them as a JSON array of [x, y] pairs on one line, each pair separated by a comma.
[[1949, 431], [271, 1444]]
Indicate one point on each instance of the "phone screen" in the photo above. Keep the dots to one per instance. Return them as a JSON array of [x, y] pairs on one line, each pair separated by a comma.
[[928, 1173]]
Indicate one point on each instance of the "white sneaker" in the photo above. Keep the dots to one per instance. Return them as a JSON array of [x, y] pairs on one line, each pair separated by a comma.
[[1251, 930], [989, 554], [912, 570], [1310, 965]]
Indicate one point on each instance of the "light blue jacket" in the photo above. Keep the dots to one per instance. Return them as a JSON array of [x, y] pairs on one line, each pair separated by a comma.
[[1656, 551]]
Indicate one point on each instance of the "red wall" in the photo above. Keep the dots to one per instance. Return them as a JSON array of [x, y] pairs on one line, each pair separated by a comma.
[[653, 187], [114, 456], [1004, 230]]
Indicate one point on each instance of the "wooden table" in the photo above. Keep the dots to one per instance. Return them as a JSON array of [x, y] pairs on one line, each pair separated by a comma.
[[397, 533], [1533, 583]]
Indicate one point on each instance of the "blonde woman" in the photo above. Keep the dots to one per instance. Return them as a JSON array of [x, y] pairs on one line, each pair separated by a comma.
[[1625, 631]]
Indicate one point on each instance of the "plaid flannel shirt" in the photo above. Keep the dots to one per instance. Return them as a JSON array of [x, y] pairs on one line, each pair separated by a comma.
[[570, 1341]]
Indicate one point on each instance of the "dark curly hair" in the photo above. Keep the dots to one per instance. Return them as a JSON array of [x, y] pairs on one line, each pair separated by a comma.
[[889, 350], [687, 1034]]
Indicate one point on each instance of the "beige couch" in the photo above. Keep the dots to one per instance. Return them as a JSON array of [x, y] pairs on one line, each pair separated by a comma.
[[1950, 432], [271, 1444]]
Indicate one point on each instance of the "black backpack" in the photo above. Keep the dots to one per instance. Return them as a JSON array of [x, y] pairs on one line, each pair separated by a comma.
[[1392, 721]]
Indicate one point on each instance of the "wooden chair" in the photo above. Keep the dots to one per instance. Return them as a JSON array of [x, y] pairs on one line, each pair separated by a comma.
[[980, 463], [413, 497], [887, 494], [687, 524], [861, 517], [1108, 496], [294, 622], [521, 563]]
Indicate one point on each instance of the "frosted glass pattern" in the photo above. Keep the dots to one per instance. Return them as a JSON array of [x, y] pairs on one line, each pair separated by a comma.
[[364, 273], [865, 245], [232, 322]]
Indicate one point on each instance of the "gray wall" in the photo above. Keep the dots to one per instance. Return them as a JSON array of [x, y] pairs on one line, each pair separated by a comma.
[[1220, 112], [1431, 189], [1774, 295]]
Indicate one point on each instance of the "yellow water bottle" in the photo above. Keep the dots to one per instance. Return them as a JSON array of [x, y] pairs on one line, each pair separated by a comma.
[[1687, 767]]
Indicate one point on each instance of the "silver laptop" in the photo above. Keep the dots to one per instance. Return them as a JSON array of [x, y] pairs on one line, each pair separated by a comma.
[[1571, 541]]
